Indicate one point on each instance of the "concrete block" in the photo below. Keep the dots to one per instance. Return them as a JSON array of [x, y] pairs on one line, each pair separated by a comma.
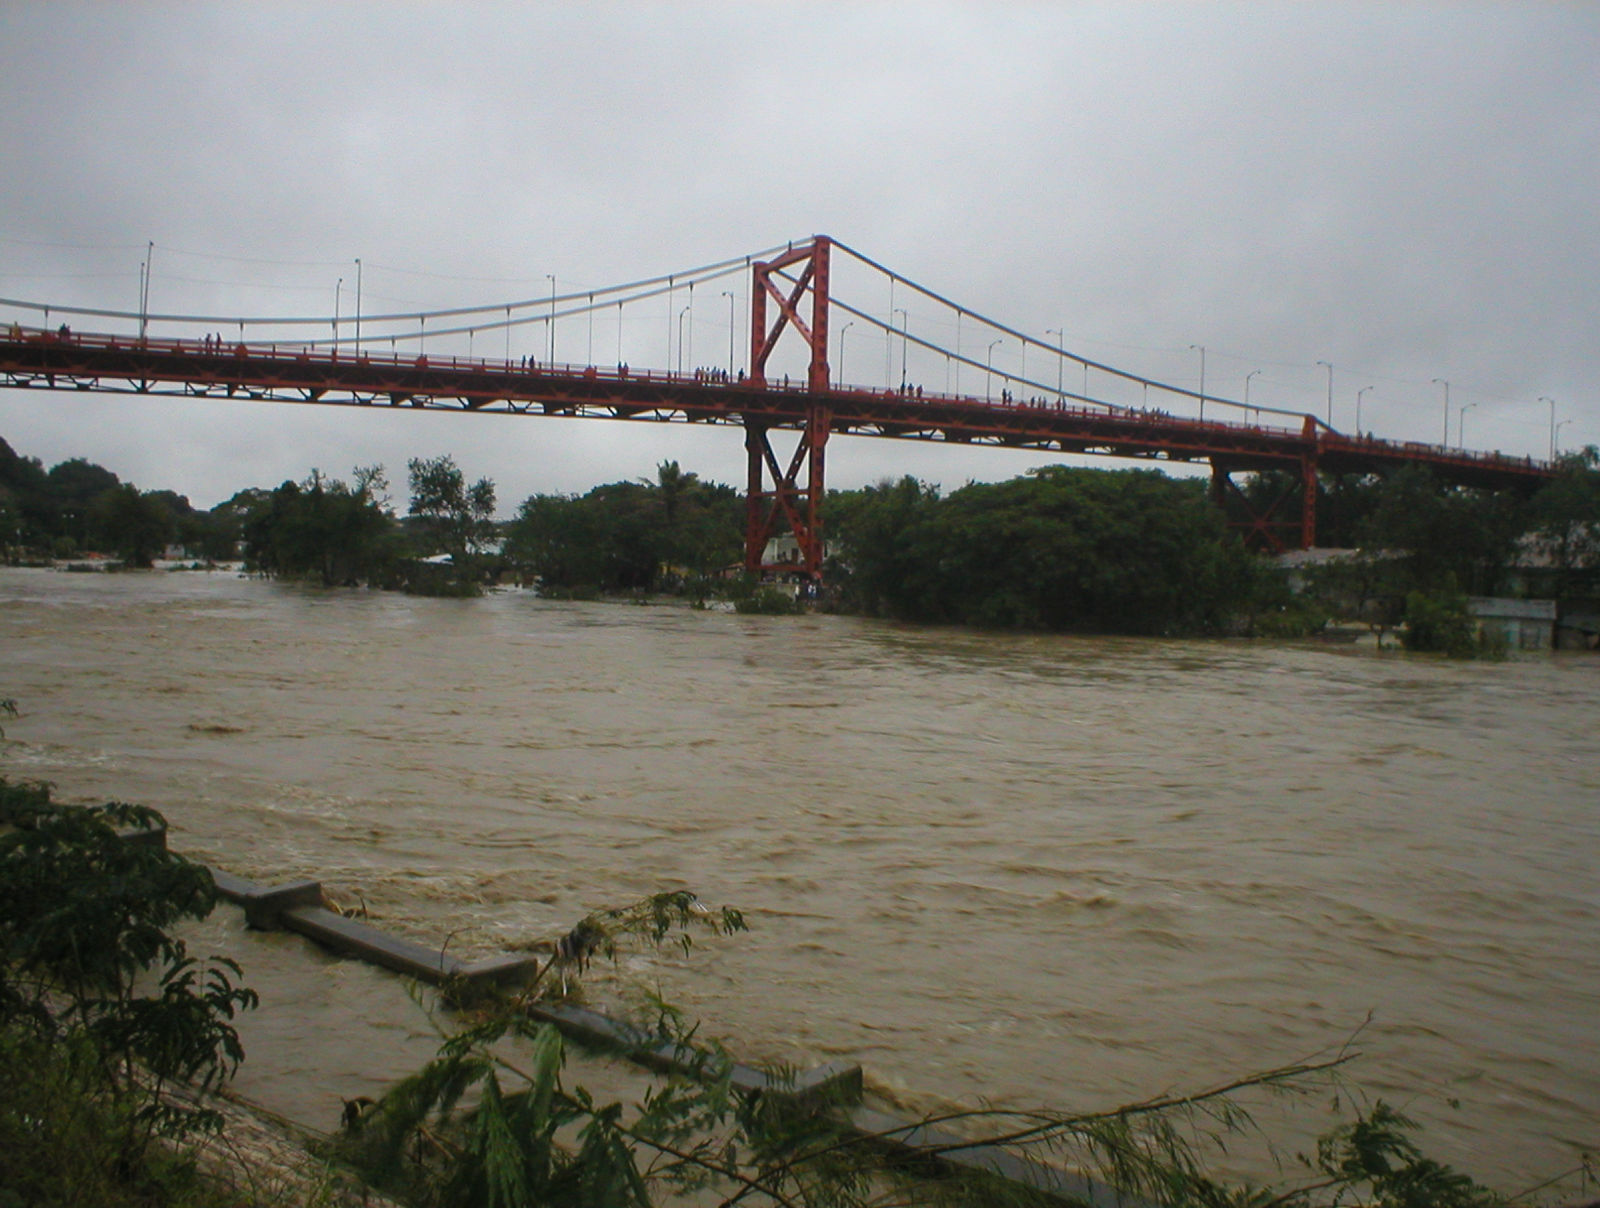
[[263, 904], [833, 1084], [147, 836], [352, 937], [264, 909], [497, 974], [938, 1145], [232, 888]]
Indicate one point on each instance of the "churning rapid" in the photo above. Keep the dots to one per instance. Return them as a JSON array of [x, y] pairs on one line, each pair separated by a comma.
[[1039, 870]]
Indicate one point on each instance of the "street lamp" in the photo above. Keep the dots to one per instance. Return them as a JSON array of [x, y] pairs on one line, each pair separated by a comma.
[[1247, 378], [1461, 424], [988, 377], [1359, 393], [552, 278], [1061, 358], [145, 270], [904, 320], [1446, 385], [1547, 399], [1556, 444], [1329, 366], [681, 313], [1201, 348], [843, 331], [336, 291], [732, 328], [358, 307]]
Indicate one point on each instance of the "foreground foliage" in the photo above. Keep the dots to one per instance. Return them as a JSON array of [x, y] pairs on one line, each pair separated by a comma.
[[493, 1121], [101, 1002]]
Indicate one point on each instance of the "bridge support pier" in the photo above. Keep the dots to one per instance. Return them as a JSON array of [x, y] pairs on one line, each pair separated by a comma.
[[796, 506], [789, 504], [1267, 522]]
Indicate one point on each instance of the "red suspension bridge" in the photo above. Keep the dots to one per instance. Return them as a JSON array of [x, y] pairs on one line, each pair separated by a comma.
[[791, 322]]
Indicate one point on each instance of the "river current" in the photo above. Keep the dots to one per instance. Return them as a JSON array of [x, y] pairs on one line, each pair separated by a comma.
[[1033, 870]]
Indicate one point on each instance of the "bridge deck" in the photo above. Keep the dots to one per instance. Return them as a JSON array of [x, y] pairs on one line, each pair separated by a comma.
[[41, 359]]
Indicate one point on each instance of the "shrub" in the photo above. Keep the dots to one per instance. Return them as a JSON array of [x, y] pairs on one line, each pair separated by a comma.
[[87, 907], [768, 601], [1439, 622]]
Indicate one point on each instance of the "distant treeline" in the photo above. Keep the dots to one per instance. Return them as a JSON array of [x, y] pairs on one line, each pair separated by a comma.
[[1124, 551]]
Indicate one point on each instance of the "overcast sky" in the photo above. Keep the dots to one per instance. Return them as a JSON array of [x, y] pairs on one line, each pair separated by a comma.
[[1408, 192]]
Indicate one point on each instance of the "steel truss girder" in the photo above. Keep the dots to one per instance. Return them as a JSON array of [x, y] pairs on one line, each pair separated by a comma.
[[1264, 528], [797, 506], [815, 278]]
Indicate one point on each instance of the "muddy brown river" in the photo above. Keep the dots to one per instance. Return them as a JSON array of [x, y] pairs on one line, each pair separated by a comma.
[[1034, 870]]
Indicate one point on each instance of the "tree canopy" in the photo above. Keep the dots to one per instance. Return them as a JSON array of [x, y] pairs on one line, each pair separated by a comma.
[[453, 518], [627, 536], [321, 528], [1129, 551]]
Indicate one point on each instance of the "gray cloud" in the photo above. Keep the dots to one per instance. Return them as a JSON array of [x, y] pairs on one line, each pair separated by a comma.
[[1406, 191]]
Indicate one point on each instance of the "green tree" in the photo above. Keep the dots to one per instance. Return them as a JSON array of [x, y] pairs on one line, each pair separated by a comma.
[[880, 574], [73, 487], [1565, 519], [702, 523], [673, 532], [26, 487], [86, 916], [11, 530], [135, 525], [1450, 539], [1060, 549], [209, 535], [458, 519], [322, 529]]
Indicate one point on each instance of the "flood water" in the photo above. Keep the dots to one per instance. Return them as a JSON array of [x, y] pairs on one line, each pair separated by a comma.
[[1032, 869]]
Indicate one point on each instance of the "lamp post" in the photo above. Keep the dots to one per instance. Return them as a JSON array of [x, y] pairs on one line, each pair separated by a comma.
[[1556, 441], [1359, 393], [988, 377], [1061, 359], [1446, 385], [904, 320], [1247, 378], [1201, 348], [552, 277], [733, 327], [1461, 424], [1329, 366], [358, 308], [144, 290], [1543, 398], [681, 313], [338, 287], [843, 331]]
